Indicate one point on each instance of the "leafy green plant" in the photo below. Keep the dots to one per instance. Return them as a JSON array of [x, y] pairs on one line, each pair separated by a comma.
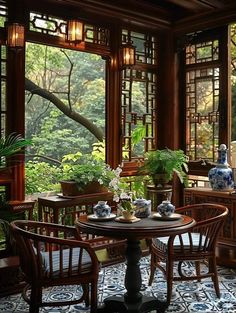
[[87, 169], [12, 144], [41, 177], [166, 162]]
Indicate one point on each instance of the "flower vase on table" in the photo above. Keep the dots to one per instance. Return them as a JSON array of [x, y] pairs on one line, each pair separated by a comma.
[[221, 176], [127, 209]]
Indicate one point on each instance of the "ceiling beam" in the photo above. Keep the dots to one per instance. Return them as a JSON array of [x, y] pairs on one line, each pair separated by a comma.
[[197, 5], [206, 20]]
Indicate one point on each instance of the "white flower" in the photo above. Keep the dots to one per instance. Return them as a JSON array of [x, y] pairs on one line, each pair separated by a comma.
[[125, 196], [117, 171], [114, 183], [100, 181], [116, 198]]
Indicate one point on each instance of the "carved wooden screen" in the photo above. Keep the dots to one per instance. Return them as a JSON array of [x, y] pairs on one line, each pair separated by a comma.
[[138, 103], [54, 26], [202, 100]]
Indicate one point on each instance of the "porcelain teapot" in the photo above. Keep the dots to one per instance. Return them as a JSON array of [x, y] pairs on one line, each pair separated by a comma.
[[142, 207]]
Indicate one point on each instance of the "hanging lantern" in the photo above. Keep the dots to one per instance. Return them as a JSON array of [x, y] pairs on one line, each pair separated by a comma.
[[127, 55], [15, 35], [75, 31]]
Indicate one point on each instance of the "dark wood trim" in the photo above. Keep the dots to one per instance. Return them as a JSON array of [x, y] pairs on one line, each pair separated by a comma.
[[113, 95], [15, 98], [145, 15], [60, 42], [203, 21]]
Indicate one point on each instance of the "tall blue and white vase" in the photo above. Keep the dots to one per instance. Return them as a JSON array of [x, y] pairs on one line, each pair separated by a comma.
[[221, 176]]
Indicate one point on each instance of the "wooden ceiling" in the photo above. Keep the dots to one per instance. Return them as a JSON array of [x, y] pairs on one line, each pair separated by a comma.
[[180, 15], [185, 8]]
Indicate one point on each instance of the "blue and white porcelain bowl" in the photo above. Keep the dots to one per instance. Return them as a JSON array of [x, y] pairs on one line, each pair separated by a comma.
[[166, 208]]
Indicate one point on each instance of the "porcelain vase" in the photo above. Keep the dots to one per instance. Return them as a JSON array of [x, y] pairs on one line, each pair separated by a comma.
[[221, 176], [166, 208], [102, 209]]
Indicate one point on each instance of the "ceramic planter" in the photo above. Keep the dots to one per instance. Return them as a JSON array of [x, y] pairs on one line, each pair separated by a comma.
[[70, 188]]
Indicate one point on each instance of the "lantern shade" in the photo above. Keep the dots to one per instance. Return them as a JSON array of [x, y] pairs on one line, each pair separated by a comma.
[[15, 35], [75, 31], [127, 55]]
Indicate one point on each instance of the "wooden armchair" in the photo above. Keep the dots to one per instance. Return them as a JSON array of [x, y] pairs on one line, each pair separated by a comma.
[[52, 255], [199, 244]]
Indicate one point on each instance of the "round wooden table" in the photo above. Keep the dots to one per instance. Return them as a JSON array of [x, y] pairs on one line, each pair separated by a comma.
[[133, 300]]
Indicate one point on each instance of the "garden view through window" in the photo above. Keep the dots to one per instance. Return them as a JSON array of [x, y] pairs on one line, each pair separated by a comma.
[[64, 111]]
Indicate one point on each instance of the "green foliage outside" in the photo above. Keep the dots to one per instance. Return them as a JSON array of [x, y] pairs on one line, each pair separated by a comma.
[[78, 79]]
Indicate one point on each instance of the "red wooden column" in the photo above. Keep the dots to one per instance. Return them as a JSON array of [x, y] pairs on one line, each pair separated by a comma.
[[15, 97], [169, 112], [113, 96]]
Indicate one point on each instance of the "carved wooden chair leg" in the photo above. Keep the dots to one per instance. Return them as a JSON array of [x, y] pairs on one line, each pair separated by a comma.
[[213, 269], [93, 304], [85, 288], [169, 279], [152, 269], [35, 299], [198, 270]]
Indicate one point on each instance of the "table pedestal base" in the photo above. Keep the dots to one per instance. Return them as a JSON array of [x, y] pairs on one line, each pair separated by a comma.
[[118, 304]]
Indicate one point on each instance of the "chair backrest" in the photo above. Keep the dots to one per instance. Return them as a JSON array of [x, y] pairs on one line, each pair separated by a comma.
[[52, 251], [209, 219]]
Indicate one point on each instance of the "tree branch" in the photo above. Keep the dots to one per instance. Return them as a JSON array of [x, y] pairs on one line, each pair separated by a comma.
[[43, 157], [37, 90]]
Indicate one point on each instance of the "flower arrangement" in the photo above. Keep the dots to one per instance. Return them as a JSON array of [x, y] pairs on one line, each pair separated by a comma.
[[125, 201], [121, 196]]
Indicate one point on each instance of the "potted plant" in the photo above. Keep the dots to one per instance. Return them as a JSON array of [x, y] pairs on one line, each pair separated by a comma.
[[162, 164], [10, 145], [86, 175]]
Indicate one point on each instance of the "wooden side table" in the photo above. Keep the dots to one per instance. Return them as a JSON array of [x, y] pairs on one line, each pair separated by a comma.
[[26, 206], [54, 209], [226, 247]]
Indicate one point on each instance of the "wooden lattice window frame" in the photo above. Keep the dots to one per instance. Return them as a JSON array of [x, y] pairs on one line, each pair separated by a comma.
[[221, 111]]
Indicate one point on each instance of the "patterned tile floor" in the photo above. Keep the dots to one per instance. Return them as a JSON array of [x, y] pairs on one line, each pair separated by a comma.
[[187, 296]]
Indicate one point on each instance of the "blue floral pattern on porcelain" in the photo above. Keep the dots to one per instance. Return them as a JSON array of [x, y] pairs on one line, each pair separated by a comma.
[[166, 208], [102, 209], [221, 176], [142, 207]]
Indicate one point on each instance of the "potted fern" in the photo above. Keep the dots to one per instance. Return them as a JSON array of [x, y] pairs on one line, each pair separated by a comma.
[[161, 165], [11, 145]]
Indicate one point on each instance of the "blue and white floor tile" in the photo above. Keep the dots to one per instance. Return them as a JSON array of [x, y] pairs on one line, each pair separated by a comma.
[[187, 296]]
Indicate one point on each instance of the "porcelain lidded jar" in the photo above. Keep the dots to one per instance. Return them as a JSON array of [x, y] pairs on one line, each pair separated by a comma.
[[102, 209], [221, 176], [166, 208], [142, 207]]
